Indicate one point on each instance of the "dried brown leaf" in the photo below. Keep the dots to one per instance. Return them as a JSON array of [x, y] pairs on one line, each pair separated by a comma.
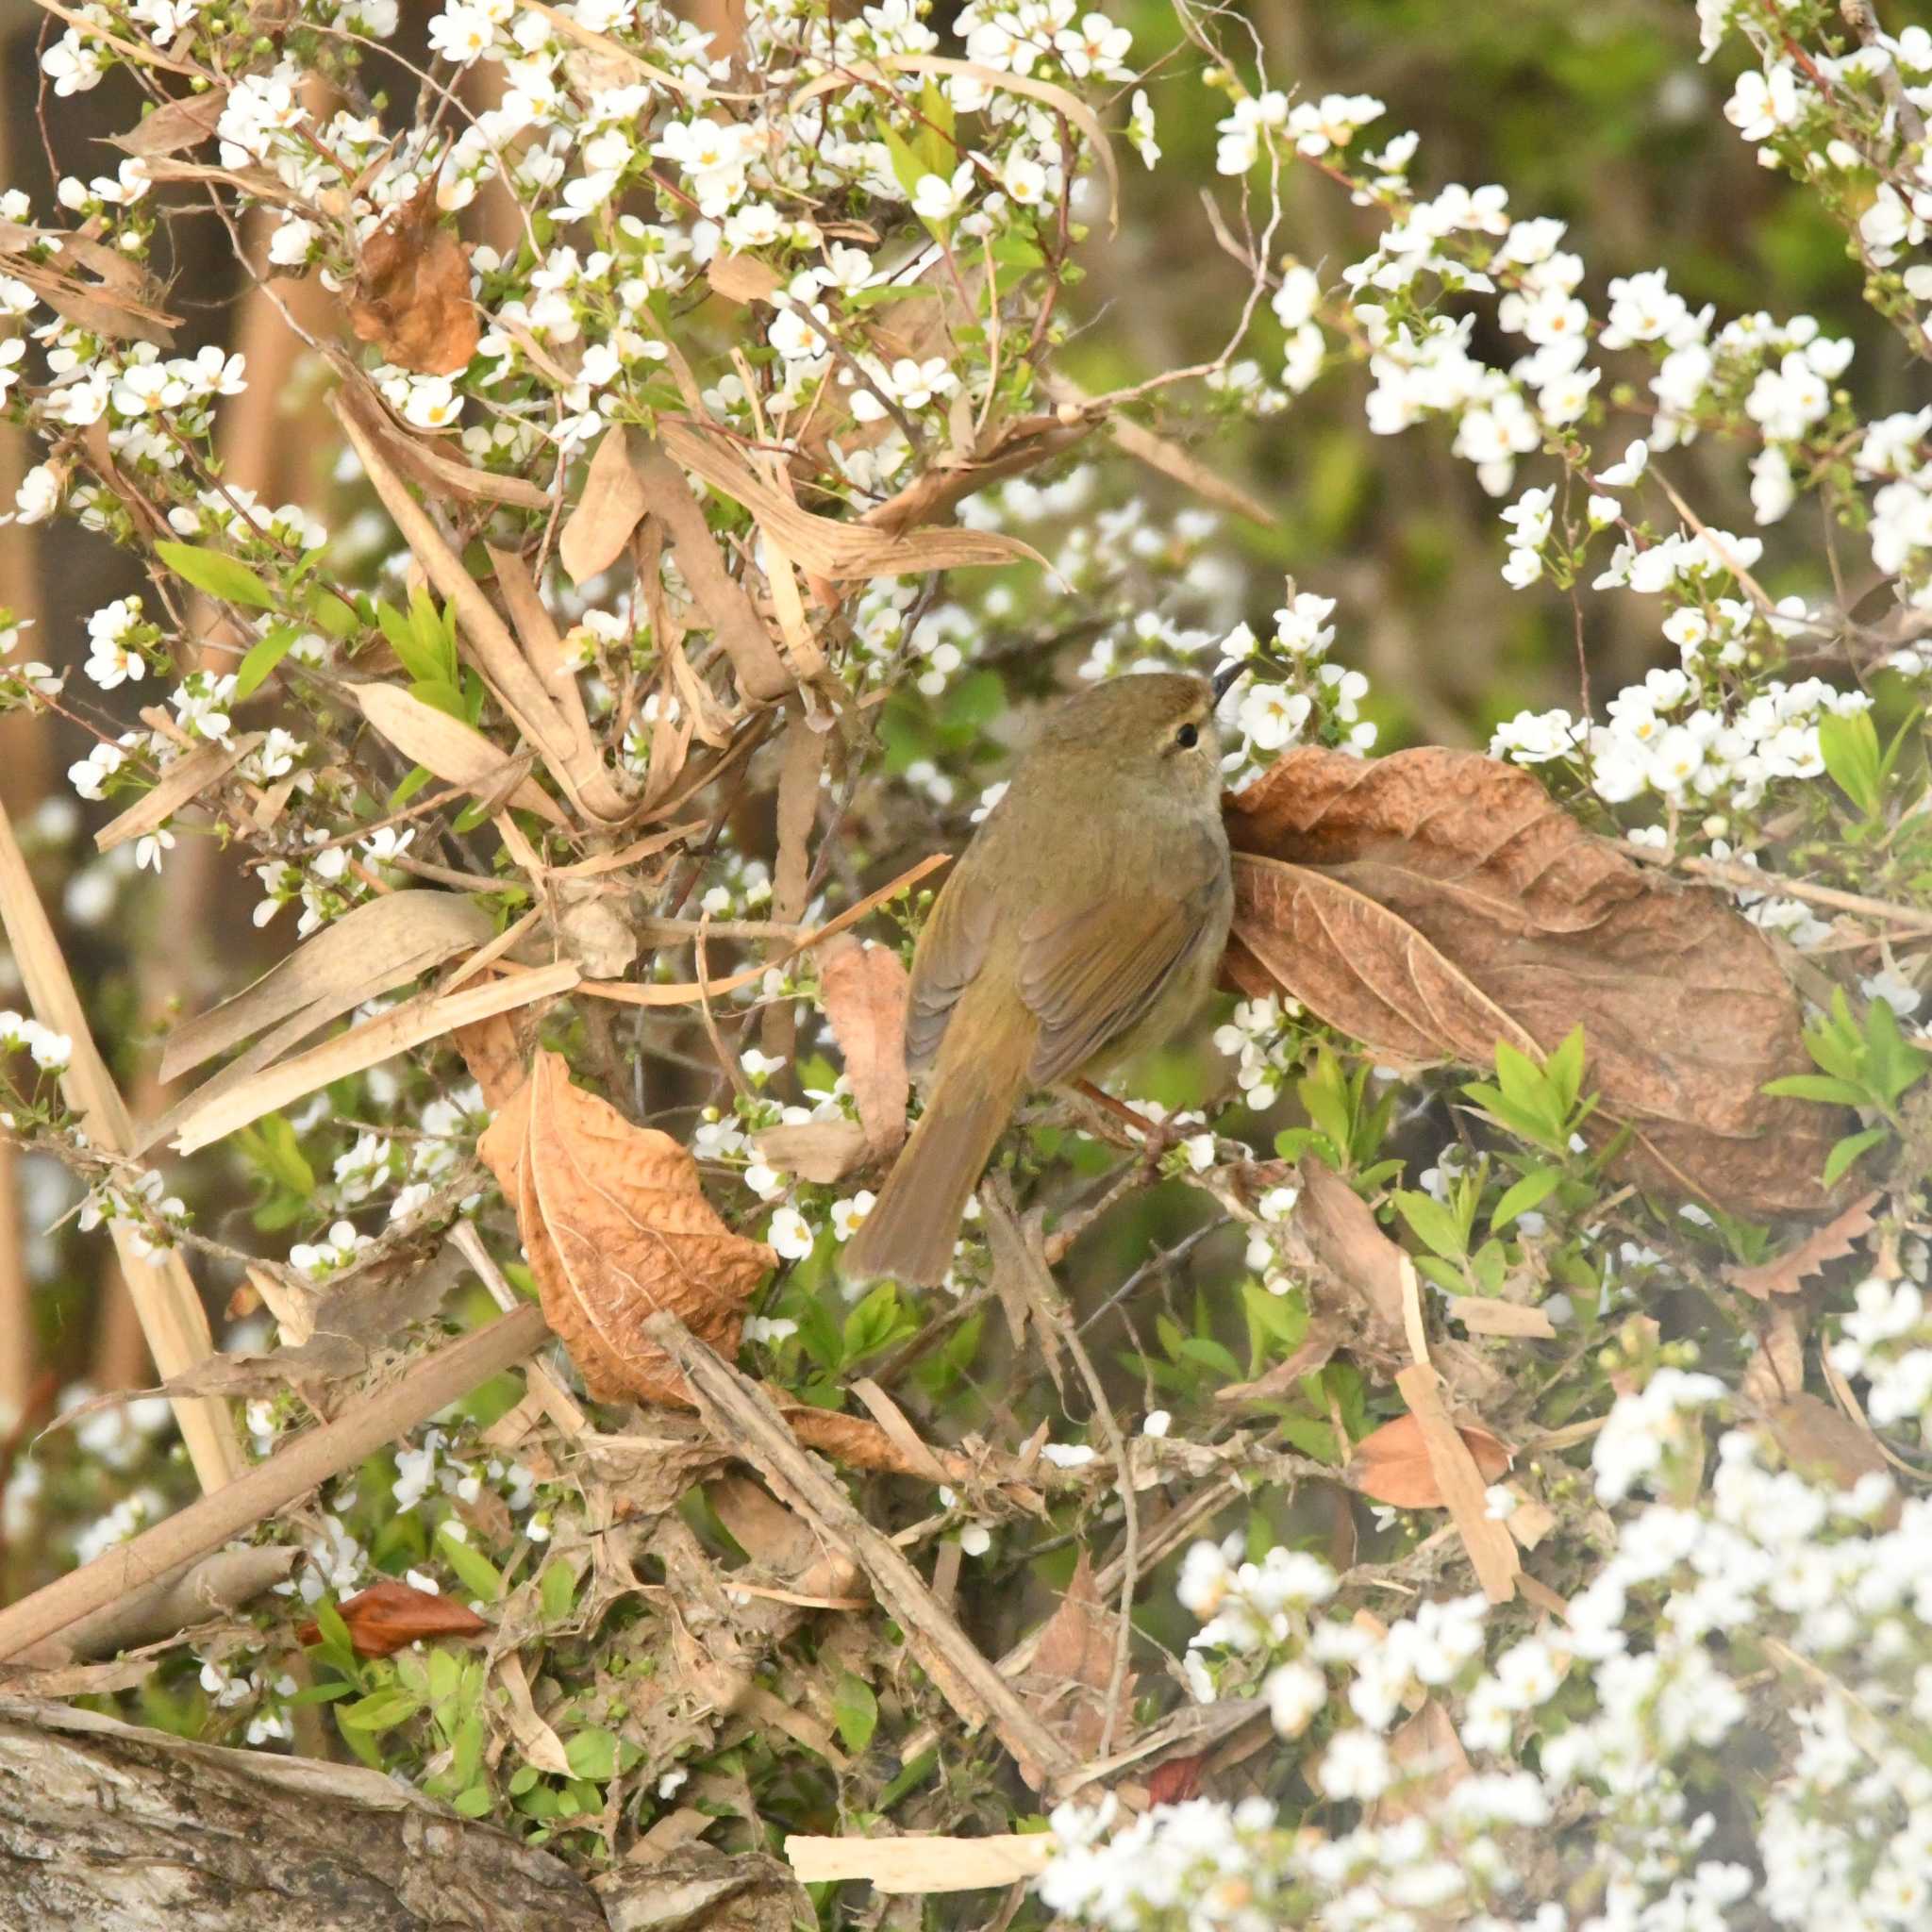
[[1073, 1666], [1461, 1481], [1347, 1241], [818, 1150], [866, 991], [176, 125], [1787, 1274], [1391, 1464], [186, 779], [412, 291], [424, 459], [1434, 903], [1820, 1439], [453, 751], [744, 279], [617, 1229], [1430, 1762], [612, 505], [389, 1616]]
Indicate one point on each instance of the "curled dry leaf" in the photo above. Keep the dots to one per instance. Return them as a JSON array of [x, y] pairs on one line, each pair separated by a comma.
[[1787, 1274], [1072, 1665], [617, 1229], [412, 291], [866, 990], [452, 750], [389, 1616], [1391, 1464], [1434, 903]]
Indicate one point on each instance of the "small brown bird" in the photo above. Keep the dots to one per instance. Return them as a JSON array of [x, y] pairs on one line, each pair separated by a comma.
[[1083, 924]]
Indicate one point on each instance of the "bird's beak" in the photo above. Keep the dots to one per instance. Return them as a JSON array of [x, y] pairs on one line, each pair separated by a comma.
[[1223, 680]]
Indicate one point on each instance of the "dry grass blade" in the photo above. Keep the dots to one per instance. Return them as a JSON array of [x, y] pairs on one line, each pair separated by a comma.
[[164, 1294], [912, 1865], [827, 548], [186, 779], [485, 638], [726, 603], [294, 1468], [423, 460], [370, 950], [1491, 1548], [453, 751], [1434, 903], [425, 1018], [617, 1229]]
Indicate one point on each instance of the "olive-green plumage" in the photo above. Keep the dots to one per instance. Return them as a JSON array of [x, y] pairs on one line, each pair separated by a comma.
[[1082, 925]]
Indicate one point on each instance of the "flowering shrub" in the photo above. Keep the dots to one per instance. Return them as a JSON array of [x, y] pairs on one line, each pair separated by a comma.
[[734, 450]]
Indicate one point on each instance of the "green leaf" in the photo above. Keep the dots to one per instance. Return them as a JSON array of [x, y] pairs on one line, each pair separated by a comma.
[[855, 1712], [475, 1571], [472, 1803], [592, 1756], [320, 1693], [1563, 1071], [1534, 1186], [381, 1710], [1433, 1223], [1817, 1087], [936, 143], [1849, 745], [218, 573], [1848, 1150], [334, 615], [257, 666], [908, 168], [556, 1591]]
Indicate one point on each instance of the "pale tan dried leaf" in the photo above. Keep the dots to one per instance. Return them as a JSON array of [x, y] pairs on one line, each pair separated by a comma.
[[866, 992], [1818, 1439], [1005, 450], [1458, 1476], [371, 949], [837, 551], [611, 507], [1434, 903], [97, 307], [915, 1865], [617, 1229], [453, 751], [1787, 1274], [425, 1018], [260, 184], [1429, 1763], [412, 291], [1350, 1244], [186, 779], [486, 639], [1483, 1314], [817, 1151], [726, 603], [542, 642], [1324, 1337], [176, 125], [536, 1739], [744, 279]]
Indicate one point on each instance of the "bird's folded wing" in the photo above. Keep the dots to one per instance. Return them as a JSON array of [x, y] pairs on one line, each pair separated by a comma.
[[951, 950]]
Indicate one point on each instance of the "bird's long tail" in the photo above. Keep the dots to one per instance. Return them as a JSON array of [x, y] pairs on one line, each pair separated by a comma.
[[910, 1231]]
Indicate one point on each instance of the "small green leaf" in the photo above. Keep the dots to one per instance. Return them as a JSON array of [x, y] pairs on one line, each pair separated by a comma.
[[257, 666], [1848, 1150], [334, 615], [1534, 1186], [1433, 1222], [908, 168], [1816, 1087], [218, 573], [1849, 745], [592, 1756], [381, 1710], [556, 1591], [855, 1712], [475, 1572], [472, 1803]]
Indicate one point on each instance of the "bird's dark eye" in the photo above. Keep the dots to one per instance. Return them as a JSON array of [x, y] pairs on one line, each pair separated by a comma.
[[1188, 737]]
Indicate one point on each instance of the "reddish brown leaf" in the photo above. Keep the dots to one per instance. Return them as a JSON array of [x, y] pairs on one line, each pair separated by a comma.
[[617, 1229], [1787, 1274], [388, 1615], [412, 291], [1392, 1464], [866, 991], [1177, 1780], [1436, 902]]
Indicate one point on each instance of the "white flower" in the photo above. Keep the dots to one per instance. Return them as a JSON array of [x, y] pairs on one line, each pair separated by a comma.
[[1621, 476], [1157, 1424], [849, 1216], [936, 198], [1763, 103], [1273, 716], [975, 1540], [1355, 1765], [791, 1233], [1295, 1691]]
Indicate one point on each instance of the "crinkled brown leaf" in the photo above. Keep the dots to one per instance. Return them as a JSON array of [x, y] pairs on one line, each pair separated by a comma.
[[1436, 902], [1072, 1665], [866, 990], [389, 1616], [1787, 1274], [617, 1229], [412, 291], [1391, 1464]]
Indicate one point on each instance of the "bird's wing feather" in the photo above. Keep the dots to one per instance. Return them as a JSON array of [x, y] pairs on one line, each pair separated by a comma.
[[1092, 974], [951, 950]]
